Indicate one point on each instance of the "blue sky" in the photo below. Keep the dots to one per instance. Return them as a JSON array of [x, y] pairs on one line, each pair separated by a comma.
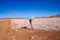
[[25, 8]]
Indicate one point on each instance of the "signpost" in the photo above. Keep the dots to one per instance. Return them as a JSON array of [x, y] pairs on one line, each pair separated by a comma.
[[30, 21]]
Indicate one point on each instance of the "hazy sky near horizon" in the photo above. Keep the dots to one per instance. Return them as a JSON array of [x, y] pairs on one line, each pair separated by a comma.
[[25, 8]]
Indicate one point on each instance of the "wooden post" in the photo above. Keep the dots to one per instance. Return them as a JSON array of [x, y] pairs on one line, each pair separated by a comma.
[[30, 20]]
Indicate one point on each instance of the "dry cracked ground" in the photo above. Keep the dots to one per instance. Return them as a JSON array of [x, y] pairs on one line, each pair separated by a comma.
[[43, 29]]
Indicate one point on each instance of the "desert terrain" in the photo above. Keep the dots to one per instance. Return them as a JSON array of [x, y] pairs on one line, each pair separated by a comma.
[[43, 29]]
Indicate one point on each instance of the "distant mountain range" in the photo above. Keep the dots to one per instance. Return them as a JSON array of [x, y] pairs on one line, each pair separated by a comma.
[[53, 16], [58, 15]]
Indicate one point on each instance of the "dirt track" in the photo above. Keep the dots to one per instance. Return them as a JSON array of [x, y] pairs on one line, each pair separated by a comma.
[[7, 33]]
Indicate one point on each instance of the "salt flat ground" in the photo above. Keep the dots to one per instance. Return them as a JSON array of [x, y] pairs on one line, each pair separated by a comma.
[[44, 29], [38, 23]]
